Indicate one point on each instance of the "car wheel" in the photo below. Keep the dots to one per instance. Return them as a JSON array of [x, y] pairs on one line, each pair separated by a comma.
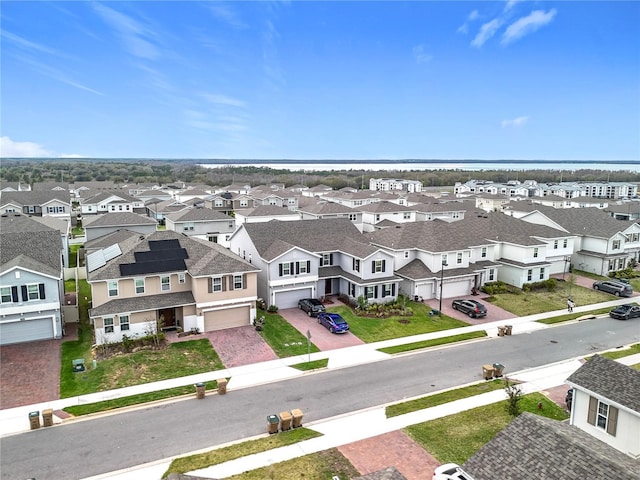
[[595, 287], [455, 307], [332, 330], [318, 320], [617, 294], [470, 314], [309, 313]]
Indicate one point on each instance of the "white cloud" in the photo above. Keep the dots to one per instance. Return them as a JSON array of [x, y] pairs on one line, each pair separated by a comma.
[[28, 45], [510, 4], [57, 75], [526, 25], [10, 149], [227, 15], [487, 30], [515, 123], [223, 100], [473, 16], [420, 55]]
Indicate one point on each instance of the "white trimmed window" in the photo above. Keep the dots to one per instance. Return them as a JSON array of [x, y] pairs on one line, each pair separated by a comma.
[[165, 283], [5, 292], [491, 275], [33, 291], [353, 217], [459, 258], [378, 266], [615, 245], [124, 322], [529, 275], [535, 252], [483, 252], [406, 215], [302, 266], [237, 282], [565, 242], [108, 325], [356, 264], [368, 292], [112, 287], [555, 244], [386, 290], [182, 278], [541, 273], [139, 285], [216, 284]]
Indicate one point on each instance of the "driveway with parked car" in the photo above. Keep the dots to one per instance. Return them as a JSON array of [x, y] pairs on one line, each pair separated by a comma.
[[494, 313]]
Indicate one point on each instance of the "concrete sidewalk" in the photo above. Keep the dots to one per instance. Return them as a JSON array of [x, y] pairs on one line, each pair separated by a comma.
[[368, 423], [15, 420]]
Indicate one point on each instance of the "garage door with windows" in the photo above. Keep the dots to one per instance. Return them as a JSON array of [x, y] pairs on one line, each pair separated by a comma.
[[26, 331], [227, 318], [289, 299]]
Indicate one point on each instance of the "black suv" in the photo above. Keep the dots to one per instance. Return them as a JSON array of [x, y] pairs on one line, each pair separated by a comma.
[[472, 308], [312, 306], [619, 289]]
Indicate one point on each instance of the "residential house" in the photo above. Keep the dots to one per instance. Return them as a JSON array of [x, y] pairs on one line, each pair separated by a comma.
[[63, 226], [111, 202], [318, 209], [317, 191], [202, 223], [491, 203], [53, 203], [624, 211], [167, 280], [86, 189], [393, 184], [158, 209], [533, 447], [280, 198], [51, 186], [448, 211], [31, 280], [315, 258], [265, 213], [606, 404], [374, 213], [191, 194], [100, 225], [227, 202]]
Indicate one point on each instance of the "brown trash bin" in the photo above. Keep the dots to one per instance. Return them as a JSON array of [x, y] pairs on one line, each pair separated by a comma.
[[487, 372], [222, 386], [285, 421], [507, 329], [47, 417], [501, 330], [273, 422], [200, 389], [34, 420], [297, 417]]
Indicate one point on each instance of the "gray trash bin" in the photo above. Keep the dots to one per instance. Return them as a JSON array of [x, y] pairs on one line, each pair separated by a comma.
[[273, 422], [497, 369]]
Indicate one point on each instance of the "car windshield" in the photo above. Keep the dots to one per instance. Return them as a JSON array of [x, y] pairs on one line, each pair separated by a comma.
[[338, 320]]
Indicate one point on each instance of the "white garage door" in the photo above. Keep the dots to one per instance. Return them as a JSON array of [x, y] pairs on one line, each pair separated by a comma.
[[228, 318], [26, 331], [290, 298], [456, 289]]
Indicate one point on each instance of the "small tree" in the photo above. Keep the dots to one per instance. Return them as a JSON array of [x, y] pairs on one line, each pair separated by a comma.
[[514, 395]]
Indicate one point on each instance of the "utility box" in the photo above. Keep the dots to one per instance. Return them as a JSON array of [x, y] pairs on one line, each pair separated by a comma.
[[487, 372], [222, 386], [200, 389], [273, 422], [498, 368], [285, 421], [34, 420], [47, 417], [296, 413], [78, 365]]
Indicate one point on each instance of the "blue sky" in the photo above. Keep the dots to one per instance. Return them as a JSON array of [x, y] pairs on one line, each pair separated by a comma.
[[321, 80]]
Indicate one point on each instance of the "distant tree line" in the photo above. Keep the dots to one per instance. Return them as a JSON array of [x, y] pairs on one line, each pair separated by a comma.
[[134, 171]]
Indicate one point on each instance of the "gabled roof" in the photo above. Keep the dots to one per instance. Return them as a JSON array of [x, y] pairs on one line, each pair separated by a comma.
[[117, 219], [326, 208], [197, 215], [105, 195], [35, 197], [264, 211], [611, 380], [121, 237], [533, 447], [384, 206]]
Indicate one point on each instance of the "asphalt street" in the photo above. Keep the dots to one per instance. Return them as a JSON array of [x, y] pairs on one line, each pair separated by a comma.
[[91, 446]]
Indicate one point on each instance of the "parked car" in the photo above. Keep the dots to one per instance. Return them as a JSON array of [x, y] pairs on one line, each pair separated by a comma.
[[450, 471], [312, 306], [625, 312], [619, 289], [334, 322], [473, 308]]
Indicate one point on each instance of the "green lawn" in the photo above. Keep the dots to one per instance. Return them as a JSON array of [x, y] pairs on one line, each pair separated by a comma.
[[457, 437], [282, 337], [432, 343], [376, 329], [572, 316], [73, 255], [69, 286], [623, 352]]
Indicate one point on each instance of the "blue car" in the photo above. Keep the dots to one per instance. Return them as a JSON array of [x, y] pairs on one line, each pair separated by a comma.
[[334, 322]]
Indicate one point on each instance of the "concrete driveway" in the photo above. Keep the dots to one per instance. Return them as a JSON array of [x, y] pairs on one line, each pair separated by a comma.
[[320, 336], [493, 313]]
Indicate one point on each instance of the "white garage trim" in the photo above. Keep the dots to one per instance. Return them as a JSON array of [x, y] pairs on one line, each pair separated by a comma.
[[289, 298], [28, 330], [226, 318]]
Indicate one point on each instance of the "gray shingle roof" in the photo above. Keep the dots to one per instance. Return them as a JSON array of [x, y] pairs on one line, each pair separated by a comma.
[[35, 197], [611, 380], [118, 219], [197, 215], [142, 303], [265, 211], [532, 447]]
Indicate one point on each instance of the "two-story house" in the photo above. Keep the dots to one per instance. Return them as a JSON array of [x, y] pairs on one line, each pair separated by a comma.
[[100, 225], [202, 223], [374, 213], [111, 202], [315, 258], [167, 280], [52, 203], [265, 213], [31, 280]]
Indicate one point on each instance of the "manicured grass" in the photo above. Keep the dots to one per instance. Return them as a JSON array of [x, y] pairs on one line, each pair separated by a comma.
[[529, 303], [323, 465], [314, 365], [78, 231], [69, 286], [376, 329], [623, 352], [282, 337], [572, 316], [432, 343], [176, 360], [457, 437], [89, 408], [238, 450], [444, 397], [73, 255]]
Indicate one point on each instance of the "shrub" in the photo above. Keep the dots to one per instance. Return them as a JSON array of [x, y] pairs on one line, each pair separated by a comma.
[[492, 288], [548, 285], [272, 309]]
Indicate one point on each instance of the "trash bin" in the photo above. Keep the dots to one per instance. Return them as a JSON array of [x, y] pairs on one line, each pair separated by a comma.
[[47, 417], [297, 417], [501, 330], [200, 389], [285, 421], [507, 329], [34, 420], [222, 386], [272, 423], [487, 372], [498, 368]]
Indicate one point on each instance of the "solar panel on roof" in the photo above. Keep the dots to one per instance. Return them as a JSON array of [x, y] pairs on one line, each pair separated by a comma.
[[155, 255], [95, 260], [112, 252], [158, 266], [164, 244]]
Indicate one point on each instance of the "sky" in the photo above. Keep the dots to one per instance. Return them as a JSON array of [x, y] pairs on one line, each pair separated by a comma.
[[304, 80]]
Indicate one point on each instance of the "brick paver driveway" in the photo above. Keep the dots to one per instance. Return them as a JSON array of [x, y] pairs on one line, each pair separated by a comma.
[[493, 313]]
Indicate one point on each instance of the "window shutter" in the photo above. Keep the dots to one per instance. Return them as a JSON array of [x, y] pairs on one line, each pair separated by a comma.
[[14, 294], [297, 268], [41, 288], [331, 259], [384, 263], [612, 422], [280, 268], [291, 269], [25, 296], [210, 285], [375, 292], [353, 263], [393, 289], [308, 266], [373, 267], [593, 408], [223, 280], [244, 280]]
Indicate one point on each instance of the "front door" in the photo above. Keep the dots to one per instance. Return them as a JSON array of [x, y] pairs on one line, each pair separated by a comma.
[[327, 286], [167, 318]]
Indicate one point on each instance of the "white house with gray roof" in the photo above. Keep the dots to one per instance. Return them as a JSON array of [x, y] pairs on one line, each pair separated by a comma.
[[53, 203], [95, 227], [202, 223], [374, 213], [265, 213], [315, 258], [31, 280], [111, 202]]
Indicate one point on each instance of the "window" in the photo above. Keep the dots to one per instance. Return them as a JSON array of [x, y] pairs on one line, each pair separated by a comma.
[[301, 267], [112, 287], [378, 266], [230, 224], [238, 284], [529, 275], [182, 278], [491, 275], [187, 227], [216, 284], [555, 244], [352, 289], [165, 283], [565, 242], [139, 285], [212, 238], [406, 215], [218, 203], [356, 265], [445, 259], [124, 322], [5, 292], [616, 245], [244, 203], [459, 258], [327, 259], [33, 292], [603, 413], [541, 273], [368, 292], [377, 217], [535, 252], [353, 217], [483, 252], [387, 290], [285, 269], [108, 325]]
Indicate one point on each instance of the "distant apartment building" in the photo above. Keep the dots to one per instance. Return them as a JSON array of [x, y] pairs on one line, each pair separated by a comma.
[[393, 184]]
